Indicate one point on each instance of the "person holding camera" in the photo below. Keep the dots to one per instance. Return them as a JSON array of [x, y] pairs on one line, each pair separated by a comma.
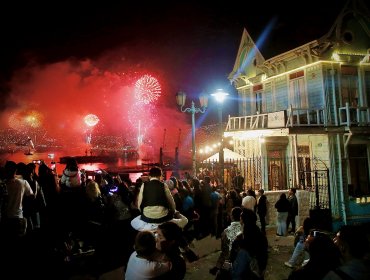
[[324, 256]]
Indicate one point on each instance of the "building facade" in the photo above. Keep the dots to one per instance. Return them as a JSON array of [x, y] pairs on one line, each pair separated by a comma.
[[305, 116]]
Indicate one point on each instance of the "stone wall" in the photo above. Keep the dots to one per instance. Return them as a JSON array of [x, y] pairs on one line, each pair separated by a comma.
[[303, 206]]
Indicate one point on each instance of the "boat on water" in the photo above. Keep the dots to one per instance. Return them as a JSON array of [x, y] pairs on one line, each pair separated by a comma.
[[31, 147], [29, 153]]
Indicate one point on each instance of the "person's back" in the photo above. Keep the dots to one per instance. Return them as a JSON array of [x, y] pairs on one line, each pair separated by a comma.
[[206, 191], [17, 189], [293, 210], [249, 247], [238, 182], [71, 176], [227, 238], [262, 209], [324, 256], [354, 247], [155, 200], [146, 262]]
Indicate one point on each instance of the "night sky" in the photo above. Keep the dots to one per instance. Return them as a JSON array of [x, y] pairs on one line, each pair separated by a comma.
[[62, 58]]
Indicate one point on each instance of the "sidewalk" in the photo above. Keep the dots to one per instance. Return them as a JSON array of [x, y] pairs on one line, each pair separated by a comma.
[[208, 249]]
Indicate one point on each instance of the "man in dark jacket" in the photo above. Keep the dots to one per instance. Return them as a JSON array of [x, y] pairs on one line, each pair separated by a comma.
[[262, 209], [238, 182], [293, 211]]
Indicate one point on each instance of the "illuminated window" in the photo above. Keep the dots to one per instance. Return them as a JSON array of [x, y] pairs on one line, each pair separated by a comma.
[[297, 90], [349, 85]]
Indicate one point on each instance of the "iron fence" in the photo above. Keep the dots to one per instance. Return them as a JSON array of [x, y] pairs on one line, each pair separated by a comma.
[[276, 174]]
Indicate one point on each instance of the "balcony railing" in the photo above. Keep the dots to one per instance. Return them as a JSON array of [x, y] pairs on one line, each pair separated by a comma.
[[354, 116], [288, 118], [306, 117], [298, 117], [247, 122]]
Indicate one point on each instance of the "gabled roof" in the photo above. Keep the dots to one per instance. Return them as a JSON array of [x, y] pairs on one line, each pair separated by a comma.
[[248, 54], [350, 34], [337, 35]]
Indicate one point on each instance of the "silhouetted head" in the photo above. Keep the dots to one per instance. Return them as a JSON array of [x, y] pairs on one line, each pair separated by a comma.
[[145, 244], [236, 213], [10, 169], [155, 172], [248, 217]]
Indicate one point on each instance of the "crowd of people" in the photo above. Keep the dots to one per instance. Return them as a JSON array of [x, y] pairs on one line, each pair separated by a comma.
[[60, 220], [57, 226]]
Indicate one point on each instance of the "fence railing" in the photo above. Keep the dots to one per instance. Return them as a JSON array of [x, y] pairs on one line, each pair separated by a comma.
[[275, 174]]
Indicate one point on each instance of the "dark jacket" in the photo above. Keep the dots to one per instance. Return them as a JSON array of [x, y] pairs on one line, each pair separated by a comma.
[[282, 205], [262, 205], [154, 195], [293, 205]]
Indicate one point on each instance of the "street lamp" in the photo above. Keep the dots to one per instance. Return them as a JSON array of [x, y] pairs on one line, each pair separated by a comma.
[[203, 99], [220, 96]]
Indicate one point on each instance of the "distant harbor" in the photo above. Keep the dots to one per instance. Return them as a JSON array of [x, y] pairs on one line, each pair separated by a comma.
[[89, 159]]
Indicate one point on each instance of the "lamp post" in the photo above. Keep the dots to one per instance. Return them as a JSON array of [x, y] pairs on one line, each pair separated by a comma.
[[220, 96], [203, 99]]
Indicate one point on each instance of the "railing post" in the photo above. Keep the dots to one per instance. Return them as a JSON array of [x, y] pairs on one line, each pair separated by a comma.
[[347, 114], [308, 117], [290, 117], [317, 204], [358, 116]]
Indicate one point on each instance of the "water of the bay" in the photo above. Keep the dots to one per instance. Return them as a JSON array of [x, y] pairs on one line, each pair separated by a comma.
[[119, 163]]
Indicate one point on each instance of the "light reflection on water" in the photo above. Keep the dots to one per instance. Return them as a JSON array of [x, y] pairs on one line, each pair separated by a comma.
[[129, 166], [121, 163]]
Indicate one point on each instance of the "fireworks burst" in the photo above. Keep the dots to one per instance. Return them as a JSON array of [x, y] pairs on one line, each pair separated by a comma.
[[25, 120], [91, 120], [15, 122], [33, 119], [147, 89]]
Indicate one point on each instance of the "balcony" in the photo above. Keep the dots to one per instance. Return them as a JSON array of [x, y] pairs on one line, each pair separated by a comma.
[[306, 117], [292, 117], [247, 122], [354, 116], [298, 117]]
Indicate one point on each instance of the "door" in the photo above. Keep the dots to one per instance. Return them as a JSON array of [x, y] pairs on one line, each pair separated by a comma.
[[276, 169]]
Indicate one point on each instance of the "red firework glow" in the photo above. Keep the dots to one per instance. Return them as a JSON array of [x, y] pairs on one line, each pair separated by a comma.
[[91, 120], [147, 89], [66, 93]]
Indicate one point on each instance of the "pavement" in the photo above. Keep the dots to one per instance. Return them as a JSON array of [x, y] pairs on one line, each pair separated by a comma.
[[208, 250]]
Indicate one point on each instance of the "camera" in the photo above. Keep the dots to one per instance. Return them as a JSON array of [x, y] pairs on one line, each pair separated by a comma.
[[316, 233], [53, 165], [113, 190]]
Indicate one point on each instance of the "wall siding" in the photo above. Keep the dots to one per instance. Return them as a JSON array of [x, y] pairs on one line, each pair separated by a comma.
[[268, 97], [315, 87], [281, 93]]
